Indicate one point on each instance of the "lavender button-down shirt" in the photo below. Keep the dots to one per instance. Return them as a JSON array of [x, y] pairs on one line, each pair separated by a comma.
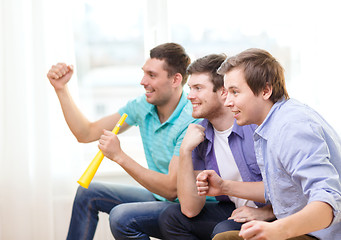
[[242, 148]]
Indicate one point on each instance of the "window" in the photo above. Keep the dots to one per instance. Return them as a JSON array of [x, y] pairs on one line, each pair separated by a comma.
[[109, 44], [113, 38]]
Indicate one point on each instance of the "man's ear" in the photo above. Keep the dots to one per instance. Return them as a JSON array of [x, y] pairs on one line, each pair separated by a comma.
[[267, 92], [177, 79], [222, 93], [223, 90]]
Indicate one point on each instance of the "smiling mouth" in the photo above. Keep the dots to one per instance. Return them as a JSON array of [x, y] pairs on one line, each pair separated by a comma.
[[235, 113], [149, 91], [194, 105]]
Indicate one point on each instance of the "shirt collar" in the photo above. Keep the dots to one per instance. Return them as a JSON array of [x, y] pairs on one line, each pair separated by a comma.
[[209, 131], [176, 113], [264, 128], [238, 130], [179, 108]]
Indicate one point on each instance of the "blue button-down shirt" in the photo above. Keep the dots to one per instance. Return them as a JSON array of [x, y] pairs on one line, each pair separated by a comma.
[[241, 144], [160, 141], [299, 155]]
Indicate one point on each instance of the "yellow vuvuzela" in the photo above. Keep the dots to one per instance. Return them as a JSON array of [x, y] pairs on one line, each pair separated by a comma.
[[89, 173]]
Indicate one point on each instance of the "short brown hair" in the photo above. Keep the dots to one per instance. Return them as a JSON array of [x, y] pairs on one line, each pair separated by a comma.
[[209, 64], [175, 57], [260, 68]]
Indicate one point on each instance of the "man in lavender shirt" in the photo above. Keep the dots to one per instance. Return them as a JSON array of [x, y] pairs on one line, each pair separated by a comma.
[[217, 144]]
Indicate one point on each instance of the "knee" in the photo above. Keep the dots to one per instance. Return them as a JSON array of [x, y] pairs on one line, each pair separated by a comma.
[[170, 216], [170, 213], [83, 196], [226, 226], [117, 215], [120, 220]]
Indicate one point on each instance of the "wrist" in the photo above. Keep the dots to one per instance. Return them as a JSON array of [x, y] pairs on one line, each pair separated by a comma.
[[268, 213], [120, 158], [283, 228], [62, 91], [226, 187], [185, 152]]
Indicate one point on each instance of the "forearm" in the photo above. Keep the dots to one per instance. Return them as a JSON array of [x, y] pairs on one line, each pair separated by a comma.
[[247, 190], [84, 130], [77, 122], [191, 203], [313, 217], [159, 183]]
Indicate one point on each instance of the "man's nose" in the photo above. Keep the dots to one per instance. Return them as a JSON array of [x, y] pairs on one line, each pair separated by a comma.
[[228, 102]]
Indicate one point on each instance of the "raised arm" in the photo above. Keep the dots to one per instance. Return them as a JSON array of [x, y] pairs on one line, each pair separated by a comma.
[[191, 203], [84, 130]]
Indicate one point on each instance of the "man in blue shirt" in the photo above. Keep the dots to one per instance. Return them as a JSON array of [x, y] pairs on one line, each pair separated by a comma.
[[162, 115], [216, 143], [298, 152]]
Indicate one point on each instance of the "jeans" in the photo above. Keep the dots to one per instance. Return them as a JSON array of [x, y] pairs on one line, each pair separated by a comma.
[[210, 221], [134, 211]]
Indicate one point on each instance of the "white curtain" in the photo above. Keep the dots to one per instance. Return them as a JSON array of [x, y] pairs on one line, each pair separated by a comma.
[[35, 144], [39, 157]]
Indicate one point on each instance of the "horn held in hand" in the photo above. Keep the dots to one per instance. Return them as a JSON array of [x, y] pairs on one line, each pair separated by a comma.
[[89, 173]]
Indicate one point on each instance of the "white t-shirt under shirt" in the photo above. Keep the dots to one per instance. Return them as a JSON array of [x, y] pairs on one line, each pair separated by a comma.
[[227, 166]]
